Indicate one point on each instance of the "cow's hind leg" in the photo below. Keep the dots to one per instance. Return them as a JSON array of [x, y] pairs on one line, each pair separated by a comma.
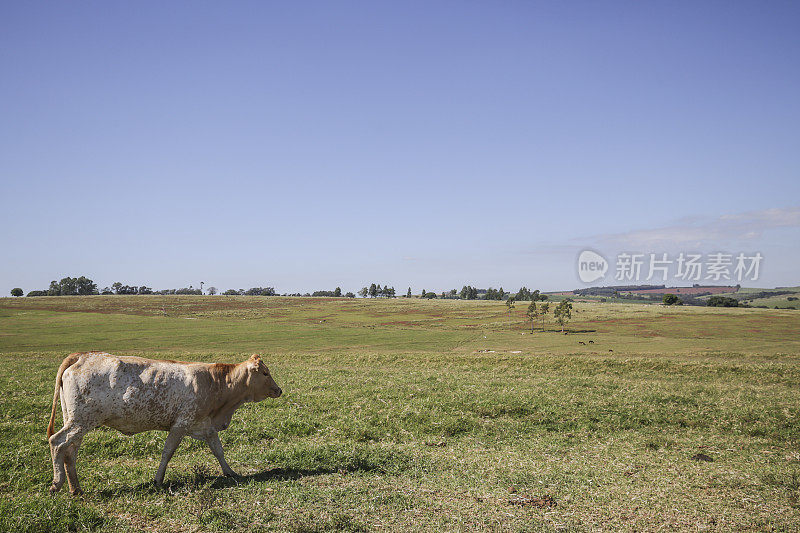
[[216, 448], [173, 440], [63, 443], [69, 462]]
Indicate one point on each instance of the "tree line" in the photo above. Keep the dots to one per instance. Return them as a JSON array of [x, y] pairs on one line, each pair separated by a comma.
[[82, 285], [375, 291], [468, 292]]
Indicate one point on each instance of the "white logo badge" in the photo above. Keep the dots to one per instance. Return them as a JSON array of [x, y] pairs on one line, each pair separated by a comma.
[[591, 266]]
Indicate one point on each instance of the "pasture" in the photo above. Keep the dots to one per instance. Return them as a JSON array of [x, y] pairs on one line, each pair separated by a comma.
[[423, 416]]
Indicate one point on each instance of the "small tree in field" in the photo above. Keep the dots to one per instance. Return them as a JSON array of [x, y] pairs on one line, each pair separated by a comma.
[[543, 310], [510, 305], [563, 313], [212, 291], [16, 291], [671, 299], [532, 313]]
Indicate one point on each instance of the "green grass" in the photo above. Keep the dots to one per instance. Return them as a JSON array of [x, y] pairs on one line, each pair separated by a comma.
[[424, 415]]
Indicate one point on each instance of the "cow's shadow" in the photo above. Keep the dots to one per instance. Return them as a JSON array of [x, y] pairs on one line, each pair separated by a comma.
[[205, 481]]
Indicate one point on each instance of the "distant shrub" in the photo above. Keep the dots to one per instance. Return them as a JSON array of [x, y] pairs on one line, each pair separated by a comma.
[[189, 290], [722, 301], [37, 293], [671, 299], [260, 291], [16, 291]]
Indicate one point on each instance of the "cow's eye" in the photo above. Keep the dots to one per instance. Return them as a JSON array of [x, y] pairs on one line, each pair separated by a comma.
[[266, 373]]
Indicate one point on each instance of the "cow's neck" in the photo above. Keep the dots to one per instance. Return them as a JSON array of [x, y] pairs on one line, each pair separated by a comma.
[[230, 396]]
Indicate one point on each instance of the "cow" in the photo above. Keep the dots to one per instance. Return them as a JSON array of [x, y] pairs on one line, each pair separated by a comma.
[[134, 394]]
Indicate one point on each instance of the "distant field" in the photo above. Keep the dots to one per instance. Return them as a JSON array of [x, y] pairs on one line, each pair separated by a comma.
[[771, 298], [691, 291], [424, 416]]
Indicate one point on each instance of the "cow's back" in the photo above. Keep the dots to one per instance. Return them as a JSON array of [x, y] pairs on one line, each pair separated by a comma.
[[131, 394]]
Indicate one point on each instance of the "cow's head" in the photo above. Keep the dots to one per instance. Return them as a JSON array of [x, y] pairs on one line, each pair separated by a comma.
[[260, 381]]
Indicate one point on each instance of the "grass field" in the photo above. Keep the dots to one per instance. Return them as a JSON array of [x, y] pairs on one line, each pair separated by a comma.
[[424, 416]]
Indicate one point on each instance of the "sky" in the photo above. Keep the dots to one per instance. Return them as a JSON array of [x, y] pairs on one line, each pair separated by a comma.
[[309, 145]]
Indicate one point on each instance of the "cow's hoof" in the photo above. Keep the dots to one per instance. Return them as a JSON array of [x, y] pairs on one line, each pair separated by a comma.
[[53, 488], [77, 492]]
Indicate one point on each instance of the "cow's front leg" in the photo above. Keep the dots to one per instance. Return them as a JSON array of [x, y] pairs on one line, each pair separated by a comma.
[[216, 448], [173, 440]]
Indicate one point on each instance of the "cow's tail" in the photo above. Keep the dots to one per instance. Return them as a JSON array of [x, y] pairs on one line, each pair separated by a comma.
[[70, 360]]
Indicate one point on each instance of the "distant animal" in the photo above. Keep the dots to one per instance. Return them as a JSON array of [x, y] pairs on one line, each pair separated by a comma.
[[591, 342], [611, 350], [581, 342], [133, 394]]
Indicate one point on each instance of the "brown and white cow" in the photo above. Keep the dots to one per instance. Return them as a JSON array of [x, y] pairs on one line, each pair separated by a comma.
[[133, 394]]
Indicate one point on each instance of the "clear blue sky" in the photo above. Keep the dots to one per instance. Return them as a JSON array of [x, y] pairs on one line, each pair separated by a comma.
[[305, 145]]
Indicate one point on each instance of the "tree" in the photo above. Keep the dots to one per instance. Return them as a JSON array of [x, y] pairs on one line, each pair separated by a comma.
[[671, 299], [17, 292], [37, 293], [543, 310], [722, 301], [86, 286], [510, 304], [363, 292], [349, 295], [563, 312], [373, 291], [493, 294], [408, 294], [116, 287], [423, 293], [260, 291], [212, 291], [468, 292], [337, 292], [55, 289], [69, 286], [231, 292], [532, 313]]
